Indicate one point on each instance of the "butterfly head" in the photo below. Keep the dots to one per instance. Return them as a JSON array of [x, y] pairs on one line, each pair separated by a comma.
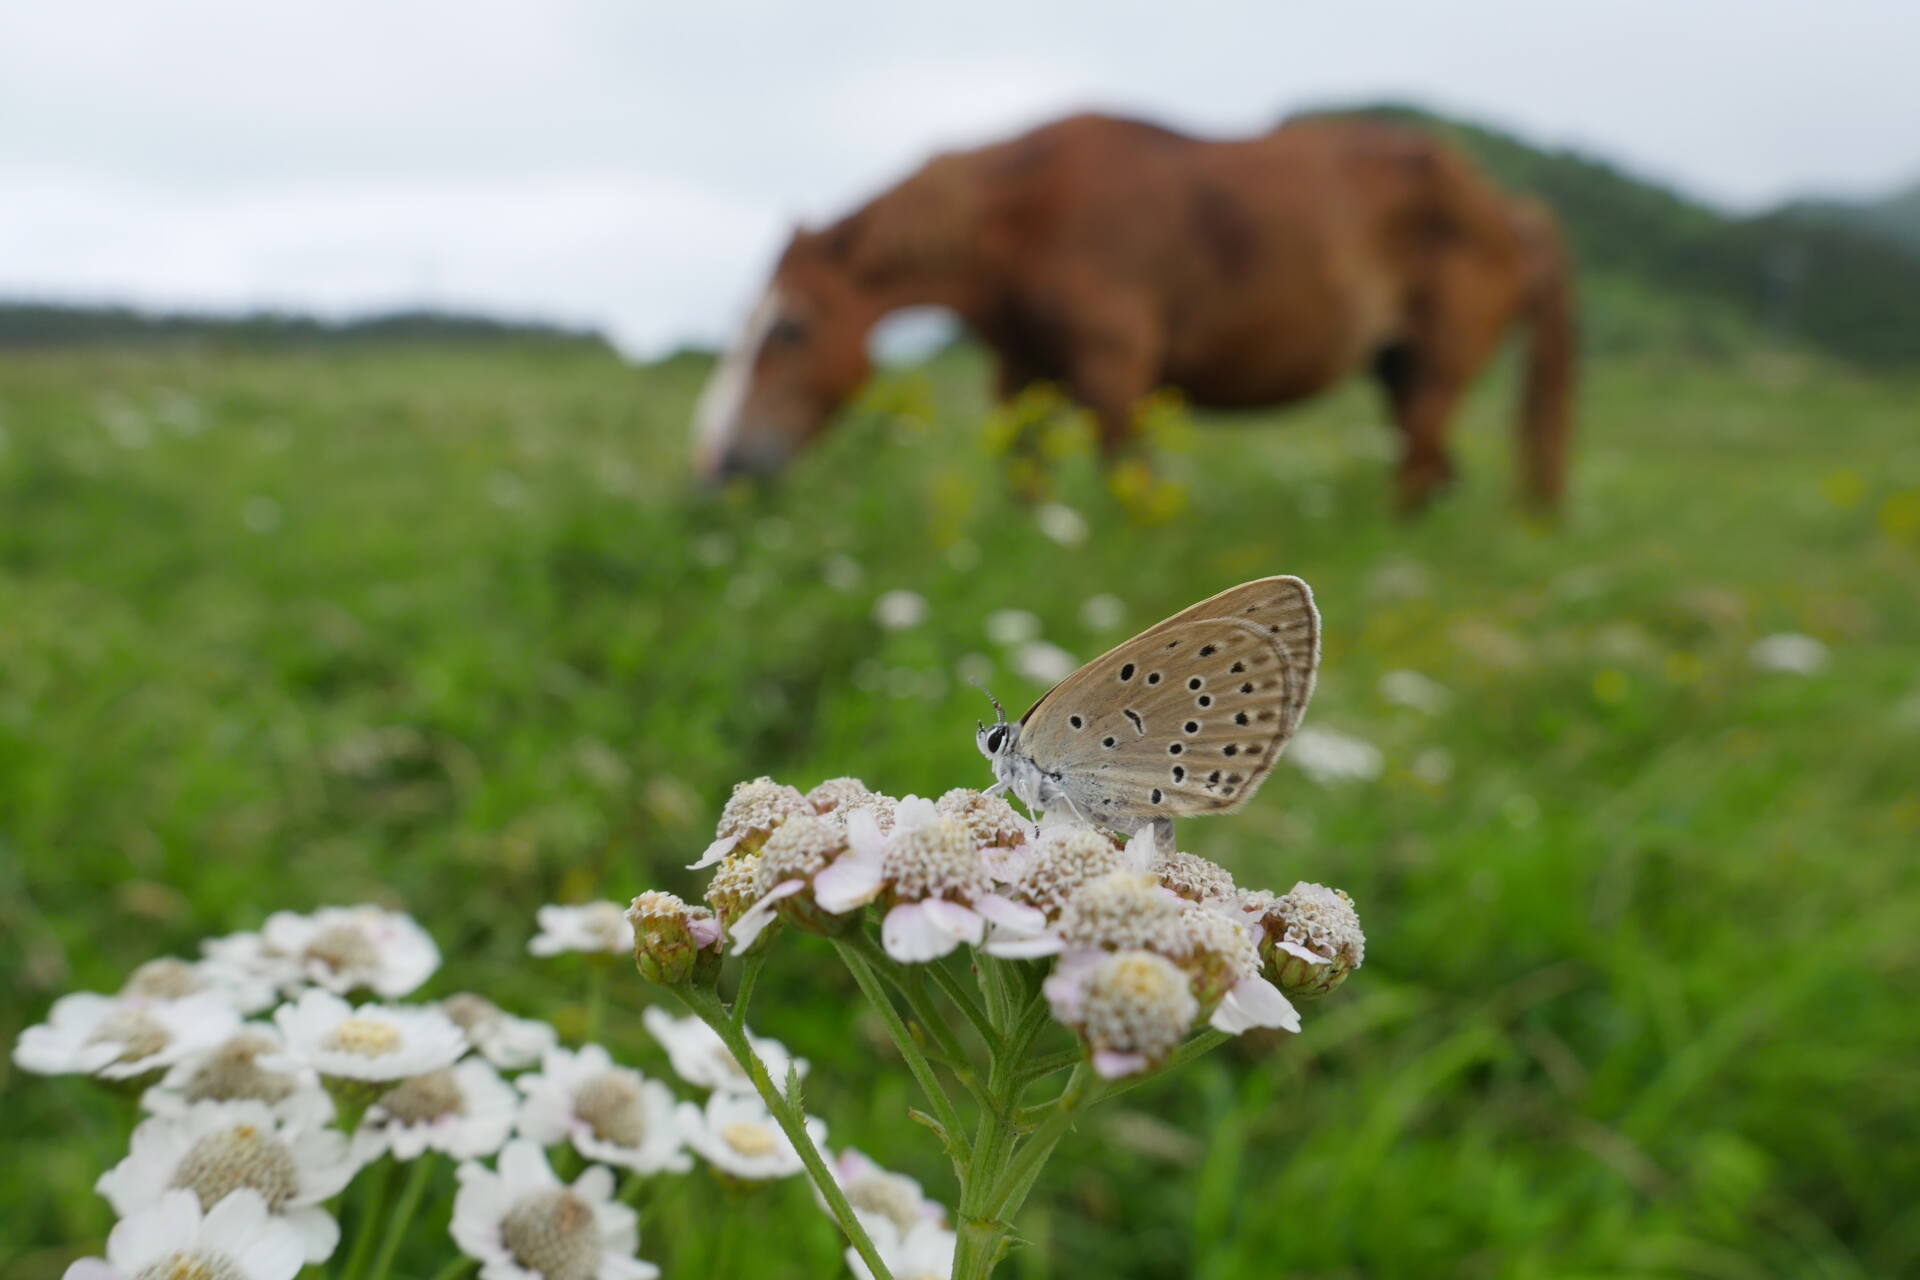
[[995, 740]]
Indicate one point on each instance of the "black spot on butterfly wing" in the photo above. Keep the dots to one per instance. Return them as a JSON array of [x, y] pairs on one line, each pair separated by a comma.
[[1139, 725]]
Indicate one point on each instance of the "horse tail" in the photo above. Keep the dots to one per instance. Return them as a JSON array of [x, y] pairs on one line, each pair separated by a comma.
[[1546, 408]]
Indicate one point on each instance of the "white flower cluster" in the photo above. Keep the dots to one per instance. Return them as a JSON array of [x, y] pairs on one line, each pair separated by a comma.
[[1147, 944], [252, 1128]]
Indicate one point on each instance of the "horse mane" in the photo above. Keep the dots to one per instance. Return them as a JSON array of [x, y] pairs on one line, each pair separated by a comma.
[[922, 226]]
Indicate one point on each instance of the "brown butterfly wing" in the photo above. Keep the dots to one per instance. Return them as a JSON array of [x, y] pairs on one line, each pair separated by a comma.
[[1184, 719]]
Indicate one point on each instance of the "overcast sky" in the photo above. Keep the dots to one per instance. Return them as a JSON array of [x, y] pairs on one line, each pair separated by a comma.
[[633, 169]]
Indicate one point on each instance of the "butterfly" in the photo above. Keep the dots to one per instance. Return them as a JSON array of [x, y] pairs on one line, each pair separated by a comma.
[[1186, 718]]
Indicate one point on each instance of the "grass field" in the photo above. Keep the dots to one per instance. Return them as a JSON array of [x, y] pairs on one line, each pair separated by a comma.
[[442, 629]]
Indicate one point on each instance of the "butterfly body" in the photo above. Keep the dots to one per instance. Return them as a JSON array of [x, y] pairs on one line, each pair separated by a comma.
[[1185, 718]]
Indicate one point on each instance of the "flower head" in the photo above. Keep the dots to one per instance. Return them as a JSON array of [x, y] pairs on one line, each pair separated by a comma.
[[940, 886], [1223, 964], [346, 948], [1131, 1008], [372, 1042], [701, 1058], [752, 812], [737, 1135], [924, 1253], [170, 978], [217, 1149], [92, 1034], [672, 942], [236, 1239], [502, 1039], [465, 1110], [835, 793], [991, 820], [1313, 939], [1122, 911], [733, 888], [597, 928], [523, 1223], [1192, 876], [787, 875], [610, 1113], [879, 1196], [1064, 857], [231, 1071]]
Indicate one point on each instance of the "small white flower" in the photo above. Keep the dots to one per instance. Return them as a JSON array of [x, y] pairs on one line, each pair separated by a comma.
[[1102, 613], [1131, 1009], [1412, 689], [465, 1110], [598, 928], [92, 1034], [170, 978], [346, 948], [1061, 523], [609, 1113], [220, 1148], [1044, 663], [1788, 651], [924, 1253], [523, 1223], [737, 1135], [231, 1071], [752, 812], [502, 1039], [941, 886], [237, 1239], [372, 1042], [900, 609], [1329, 756], [1010, 627], [701, 1058], [881, 1198]]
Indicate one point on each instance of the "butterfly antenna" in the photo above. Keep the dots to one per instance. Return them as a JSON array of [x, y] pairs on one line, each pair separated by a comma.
[[998, 710]]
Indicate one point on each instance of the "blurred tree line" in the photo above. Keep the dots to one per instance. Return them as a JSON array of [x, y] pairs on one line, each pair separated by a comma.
[[31, 324]]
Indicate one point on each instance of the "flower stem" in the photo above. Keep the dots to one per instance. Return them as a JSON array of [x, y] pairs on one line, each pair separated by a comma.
[[403, 1212], [743, 994], [596, 996], [791, 1116], [936, 1094], [456, 1265], [373, 1198], [963, 999]]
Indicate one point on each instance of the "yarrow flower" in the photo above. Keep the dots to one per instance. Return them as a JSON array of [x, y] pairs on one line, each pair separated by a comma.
[[170, 978], [501, 1038], [700, 1057], [1329, 756], [91, 1034], [672, 942], [217, 1149], [593, 927], [371, 1042], [340, 949], [924, 1253], [1311, 938], [752, 812], [523, 1223], [609, 1113], [174, 1239], [1132, 1008], [737, 1135], [465, 1110], [797, 862], [231, 1071], [881, 1198], [835, 793]]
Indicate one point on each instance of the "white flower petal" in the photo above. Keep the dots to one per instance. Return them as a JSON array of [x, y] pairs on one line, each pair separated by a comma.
[[716, 851]]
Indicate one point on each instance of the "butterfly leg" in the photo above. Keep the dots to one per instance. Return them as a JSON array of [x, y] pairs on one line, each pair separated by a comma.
[[1163, 834]]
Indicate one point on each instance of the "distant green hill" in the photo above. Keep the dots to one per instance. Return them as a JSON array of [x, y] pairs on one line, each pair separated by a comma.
[[1894, 217], [1810, 278], [33, 324]]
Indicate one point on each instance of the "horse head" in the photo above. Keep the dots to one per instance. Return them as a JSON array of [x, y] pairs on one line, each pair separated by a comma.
[[801, 355]]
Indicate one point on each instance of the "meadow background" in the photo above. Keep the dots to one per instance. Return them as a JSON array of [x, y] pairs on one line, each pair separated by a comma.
[[437, 624]]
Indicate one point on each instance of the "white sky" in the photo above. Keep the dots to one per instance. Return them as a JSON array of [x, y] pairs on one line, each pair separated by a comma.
[[634, 165]]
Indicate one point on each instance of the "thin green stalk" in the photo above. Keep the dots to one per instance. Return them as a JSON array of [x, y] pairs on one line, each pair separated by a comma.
[[792, 1119], [1201, 1045], [1017, 1179], [596, 996], [923, 1073], [456, 1265], [964, 1000], [373, 1198], [982, 1228], [1041, 1067], [743, 994], [403, 1211]]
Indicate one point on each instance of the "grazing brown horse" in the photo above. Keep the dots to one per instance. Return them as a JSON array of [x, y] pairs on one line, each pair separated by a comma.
[[1113, 257]]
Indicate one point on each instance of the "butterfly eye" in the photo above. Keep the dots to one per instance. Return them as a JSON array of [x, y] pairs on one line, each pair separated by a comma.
[[995, 736]]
